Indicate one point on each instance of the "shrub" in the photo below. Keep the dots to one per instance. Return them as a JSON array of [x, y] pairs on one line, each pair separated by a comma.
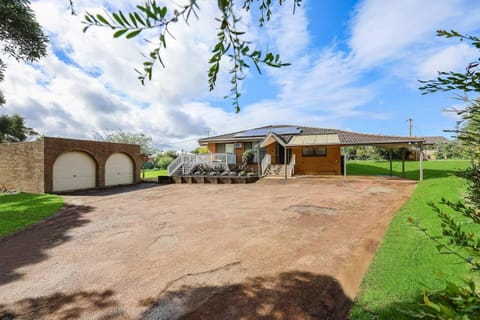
[[164, 161], [247, 156]]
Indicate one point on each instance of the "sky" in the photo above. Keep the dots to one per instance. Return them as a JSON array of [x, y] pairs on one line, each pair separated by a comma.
[[355, 66]]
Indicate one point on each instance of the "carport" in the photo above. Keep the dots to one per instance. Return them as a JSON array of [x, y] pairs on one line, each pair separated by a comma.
[[403, 146]]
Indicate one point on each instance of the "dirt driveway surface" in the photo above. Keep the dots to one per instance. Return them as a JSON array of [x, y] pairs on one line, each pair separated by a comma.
[[269, 250]]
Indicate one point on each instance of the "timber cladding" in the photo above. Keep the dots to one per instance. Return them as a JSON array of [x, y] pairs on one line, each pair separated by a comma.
[[28, 166]]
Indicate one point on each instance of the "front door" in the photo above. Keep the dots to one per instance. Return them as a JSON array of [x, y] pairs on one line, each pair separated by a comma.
[[280, 154]]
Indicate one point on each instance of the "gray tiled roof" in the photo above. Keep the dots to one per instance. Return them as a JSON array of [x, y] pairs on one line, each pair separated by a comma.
[[435, 139], [345, 137]]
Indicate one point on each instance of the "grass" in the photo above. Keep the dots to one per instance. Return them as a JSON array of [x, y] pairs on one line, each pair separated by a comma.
[[153, 173], [406, 260], [18, 211]]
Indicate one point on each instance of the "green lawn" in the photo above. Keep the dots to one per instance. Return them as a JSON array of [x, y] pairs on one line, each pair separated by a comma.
[[153, 173], [18, 211], [406, 259]]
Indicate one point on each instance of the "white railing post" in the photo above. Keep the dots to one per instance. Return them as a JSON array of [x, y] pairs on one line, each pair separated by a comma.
[[292, 165], [267, 159]]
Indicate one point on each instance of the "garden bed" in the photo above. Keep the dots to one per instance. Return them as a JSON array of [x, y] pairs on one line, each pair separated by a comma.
[[209, 179]]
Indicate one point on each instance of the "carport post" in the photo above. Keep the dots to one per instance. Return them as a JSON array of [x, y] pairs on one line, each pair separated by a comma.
[[403, 162], [421, 162], [390, 158], [345, 157], [259, 161], [285, 160]]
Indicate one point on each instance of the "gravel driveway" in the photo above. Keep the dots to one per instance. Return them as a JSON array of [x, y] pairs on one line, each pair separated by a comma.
[[276, 249]]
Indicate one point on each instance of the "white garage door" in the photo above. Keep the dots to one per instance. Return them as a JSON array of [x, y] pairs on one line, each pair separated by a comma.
[[118, 170], [73, 171]]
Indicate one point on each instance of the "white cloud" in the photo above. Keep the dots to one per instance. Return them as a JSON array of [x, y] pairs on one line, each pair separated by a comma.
[[451, 58], [324, 87], [383, 31]]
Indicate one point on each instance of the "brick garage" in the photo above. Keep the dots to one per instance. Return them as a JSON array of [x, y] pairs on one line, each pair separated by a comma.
[[29, 166]]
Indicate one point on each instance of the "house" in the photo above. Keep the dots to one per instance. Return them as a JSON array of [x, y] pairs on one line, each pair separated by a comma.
[[59, 165], [291, 150]]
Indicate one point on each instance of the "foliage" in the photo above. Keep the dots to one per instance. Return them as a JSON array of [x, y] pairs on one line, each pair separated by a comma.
[[231, 40], [373, 153], [200, 150], [170, 153], [219, 170], [163, 161], [148, 165], [460, 230], [396, 153], [447, 81], [12, 129], [449, 150], [362, 153], [120, 136], [247, 156], [21, 210], [20, 34]]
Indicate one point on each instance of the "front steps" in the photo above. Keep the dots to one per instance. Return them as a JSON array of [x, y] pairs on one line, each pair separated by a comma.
[[277, 171]]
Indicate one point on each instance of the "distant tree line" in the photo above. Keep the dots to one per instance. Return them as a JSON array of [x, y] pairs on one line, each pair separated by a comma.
[[454, 149]]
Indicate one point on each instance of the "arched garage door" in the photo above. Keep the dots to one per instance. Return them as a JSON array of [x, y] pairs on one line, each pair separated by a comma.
[[73, 171], [118, 170]]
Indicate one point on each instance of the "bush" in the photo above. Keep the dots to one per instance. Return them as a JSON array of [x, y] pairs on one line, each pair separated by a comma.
[[450, 150], [148, 165], [164, 161], [247, 156]]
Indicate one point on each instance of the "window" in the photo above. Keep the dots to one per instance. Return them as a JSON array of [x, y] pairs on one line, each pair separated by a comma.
[[314, 152], [225, 148], [229, 148], [220, 148]]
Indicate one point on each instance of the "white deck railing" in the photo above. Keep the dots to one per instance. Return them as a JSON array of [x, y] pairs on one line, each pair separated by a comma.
[[187, 162], [291, 165], [266, 161]]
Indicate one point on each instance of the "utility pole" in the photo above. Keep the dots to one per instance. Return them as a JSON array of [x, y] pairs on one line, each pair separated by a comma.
[[410, 126]]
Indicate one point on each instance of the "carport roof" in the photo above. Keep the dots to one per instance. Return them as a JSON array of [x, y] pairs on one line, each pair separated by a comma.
[[300, 136]]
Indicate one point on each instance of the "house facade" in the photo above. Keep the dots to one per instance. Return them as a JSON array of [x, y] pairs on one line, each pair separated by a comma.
[[298, 150]]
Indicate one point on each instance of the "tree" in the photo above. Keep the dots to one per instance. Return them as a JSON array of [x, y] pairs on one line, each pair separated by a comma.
[[450, 150], [163, 161], [460, 231], [200, 150], [20, 34], [120, 136], [12, 129], [231, 41]]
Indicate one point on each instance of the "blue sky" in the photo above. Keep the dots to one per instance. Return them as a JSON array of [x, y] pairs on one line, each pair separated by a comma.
[[355, 66]]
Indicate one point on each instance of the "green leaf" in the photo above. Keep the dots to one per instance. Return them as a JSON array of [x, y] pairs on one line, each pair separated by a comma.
[[103, 20], [119, 33], [118, 19], [133, 33], [163, 12]]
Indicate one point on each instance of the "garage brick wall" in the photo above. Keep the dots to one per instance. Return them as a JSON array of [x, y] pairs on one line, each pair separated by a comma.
[[22, 166], [98, 150], [28, 166]]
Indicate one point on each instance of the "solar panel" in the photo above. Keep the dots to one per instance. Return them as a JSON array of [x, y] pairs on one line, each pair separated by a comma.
[[265, 131]]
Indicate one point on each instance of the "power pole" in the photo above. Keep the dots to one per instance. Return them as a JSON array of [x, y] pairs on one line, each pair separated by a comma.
[[410, 126]]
